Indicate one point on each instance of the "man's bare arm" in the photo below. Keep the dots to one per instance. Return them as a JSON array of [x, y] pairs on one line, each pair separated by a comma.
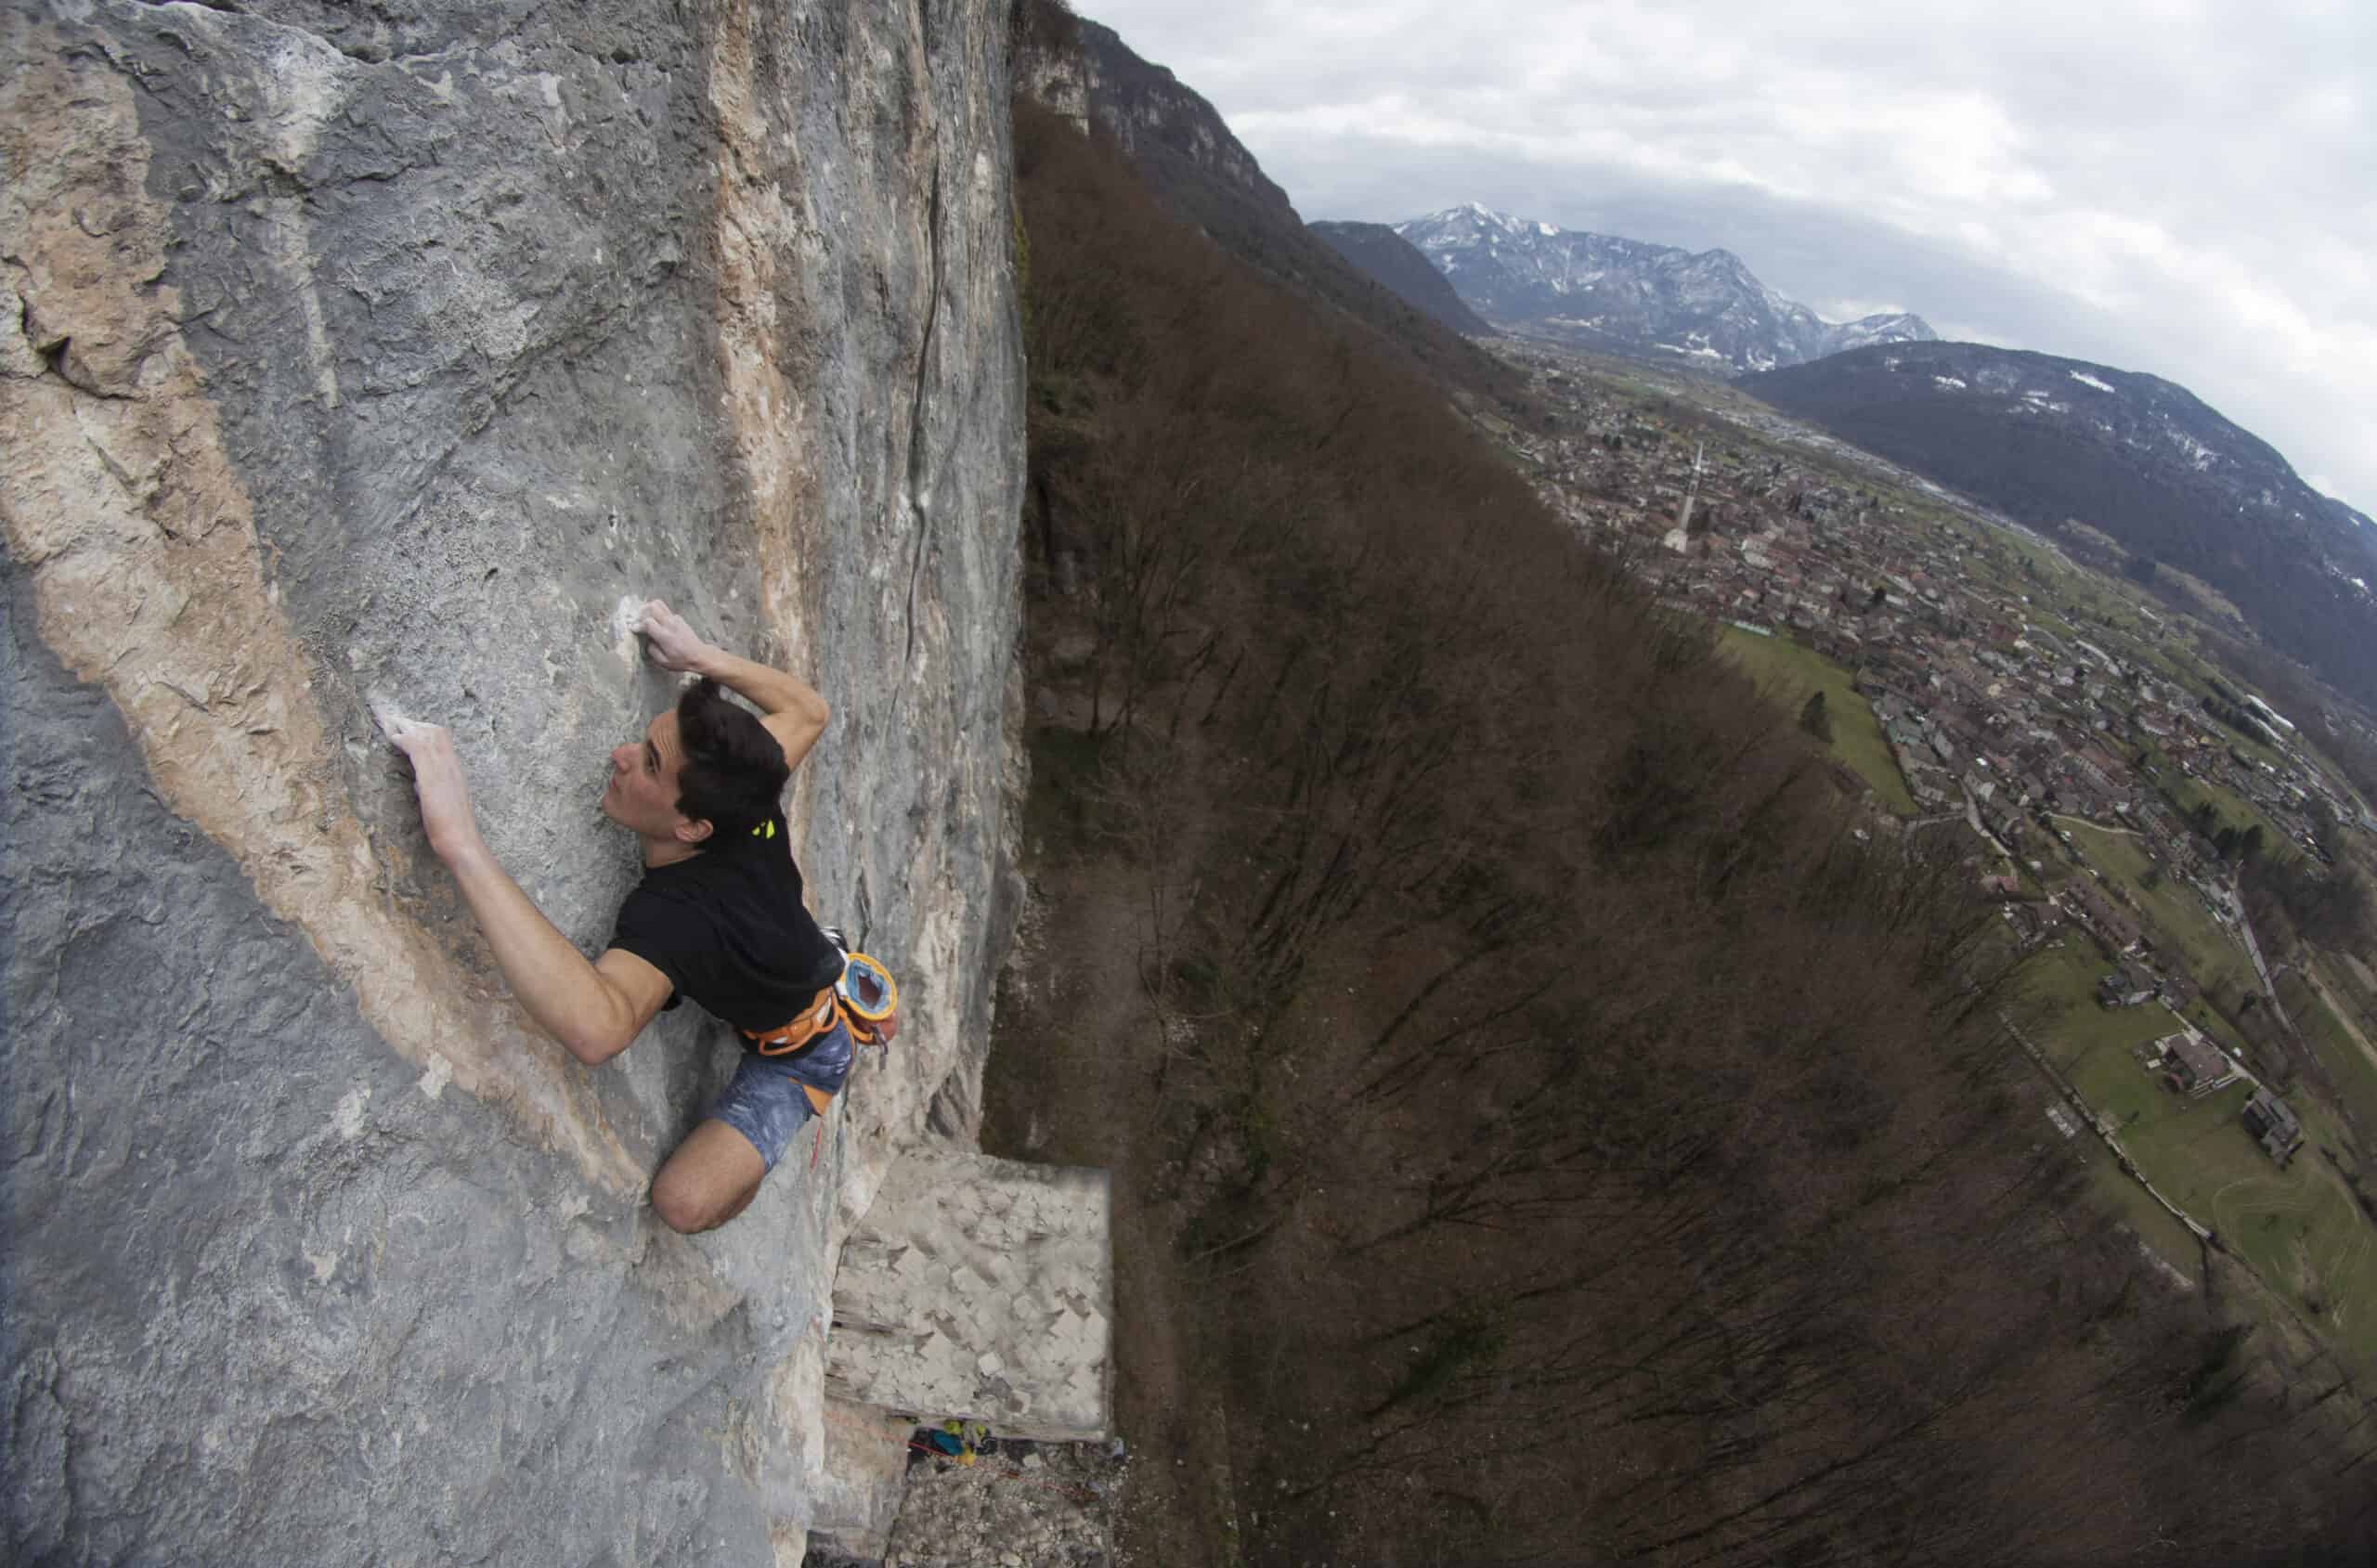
[[791, 709], [593, 1009]]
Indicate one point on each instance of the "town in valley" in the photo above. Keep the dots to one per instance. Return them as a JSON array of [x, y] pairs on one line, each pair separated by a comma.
[[2106, 778]]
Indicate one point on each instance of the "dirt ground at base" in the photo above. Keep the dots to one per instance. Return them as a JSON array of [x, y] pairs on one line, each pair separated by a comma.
[[1076, 1077]]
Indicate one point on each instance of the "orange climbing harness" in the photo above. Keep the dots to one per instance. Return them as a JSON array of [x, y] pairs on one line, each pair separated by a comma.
[[863, 999], [797, 1036]]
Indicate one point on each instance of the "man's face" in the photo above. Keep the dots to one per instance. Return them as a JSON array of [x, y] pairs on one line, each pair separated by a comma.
[[641, 795]]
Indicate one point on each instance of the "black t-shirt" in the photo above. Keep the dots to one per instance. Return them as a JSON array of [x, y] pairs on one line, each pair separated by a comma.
[[728, 928]]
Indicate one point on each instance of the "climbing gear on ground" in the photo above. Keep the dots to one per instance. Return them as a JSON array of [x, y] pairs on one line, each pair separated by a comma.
[[960, 1440]]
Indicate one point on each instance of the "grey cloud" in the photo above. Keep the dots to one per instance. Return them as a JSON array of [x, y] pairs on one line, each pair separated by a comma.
[[1832, 260], [2183, 191]]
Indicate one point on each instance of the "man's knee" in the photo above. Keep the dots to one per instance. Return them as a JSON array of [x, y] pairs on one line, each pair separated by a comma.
[[707, 1181], [688, 1204], [682, 1206]]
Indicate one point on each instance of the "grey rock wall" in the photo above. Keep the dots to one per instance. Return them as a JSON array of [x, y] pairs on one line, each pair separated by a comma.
[[380, 353]]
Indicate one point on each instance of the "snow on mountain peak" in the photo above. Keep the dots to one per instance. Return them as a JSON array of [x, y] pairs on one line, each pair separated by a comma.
[[1707, 306], [1480, 213]]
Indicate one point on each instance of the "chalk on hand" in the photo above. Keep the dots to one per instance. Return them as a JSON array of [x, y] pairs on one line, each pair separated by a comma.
[[389, 717]]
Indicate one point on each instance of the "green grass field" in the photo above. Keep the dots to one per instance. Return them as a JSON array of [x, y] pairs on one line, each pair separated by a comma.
[[1787, 671], [2091, 1045], [2350, 989], [2060, 984], [2212, 955], [2298, 1229], [2355, 1074], [2185, 793], [2155, 1225]]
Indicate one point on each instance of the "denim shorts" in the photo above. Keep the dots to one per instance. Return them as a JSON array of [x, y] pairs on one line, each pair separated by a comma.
[[765, 1102]]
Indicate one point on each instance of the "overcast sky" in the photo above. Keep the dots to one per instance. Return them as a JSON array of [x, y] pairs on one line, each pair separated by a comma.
[[2189, 189]]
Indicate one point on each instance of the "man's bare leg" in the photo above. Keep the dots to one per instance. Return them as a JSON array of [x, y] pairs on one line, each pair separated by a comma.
[[710, 1178]]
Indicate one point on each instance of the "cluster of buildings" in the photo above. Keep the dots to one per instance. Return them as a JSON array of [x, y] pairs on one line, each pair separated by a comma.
[[1980, 698], [2188, 1064], [1995, 709]]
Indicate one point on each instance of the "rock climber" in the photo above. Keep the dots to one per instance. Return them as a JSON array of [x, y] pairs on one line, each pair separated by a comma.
[[718, 916]]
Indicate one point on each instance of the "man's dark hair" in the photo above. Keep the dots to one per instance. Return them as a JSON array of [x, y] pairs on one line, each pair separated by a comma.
[[734, 769]]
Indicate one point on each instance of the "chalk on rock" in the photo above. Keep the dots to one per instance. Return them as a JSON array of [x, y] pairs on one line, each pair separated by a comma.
[[624, 617]]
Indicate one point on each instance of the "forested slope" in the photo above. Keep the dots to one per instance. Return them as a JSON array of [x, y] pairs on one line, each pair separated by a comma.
[[1185, 155], [1565, 1140], [1396, 263]]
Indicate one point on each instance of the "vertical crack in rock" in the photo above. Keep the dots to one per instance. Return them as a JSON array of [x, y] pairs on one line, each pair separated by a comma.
[[919, 446], [120, 501]]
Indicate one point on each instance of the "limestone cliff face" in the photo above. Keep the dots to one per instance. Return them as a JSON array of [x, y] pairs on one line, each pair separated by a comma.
[[380, 354], [1164, 125]]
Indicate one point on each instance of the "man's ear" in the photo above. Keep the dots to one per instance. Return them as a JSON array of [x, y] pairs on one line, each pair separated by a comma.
[[692, 832]]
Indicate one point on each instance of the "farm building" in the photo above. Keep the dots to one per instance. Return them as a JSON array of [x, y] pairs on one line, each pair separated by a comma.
[[2193, 1065], [2125, 987], [2118, 929], [2270, 1120]]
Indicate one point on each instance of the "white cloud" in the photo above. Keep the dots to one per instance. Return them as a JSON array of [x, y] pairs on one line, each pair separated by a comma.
[[2172, 185]]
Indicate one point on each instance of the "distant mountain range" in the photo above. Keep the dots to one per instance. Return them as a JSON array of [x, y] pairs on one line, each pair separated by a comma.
[[1625, 297], [2051, 441], [2045, 440]]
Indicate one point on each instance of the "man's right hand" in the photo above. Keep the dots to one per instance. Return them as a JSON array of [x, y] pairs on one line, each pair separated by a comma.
[[438, 779], [674, 644]]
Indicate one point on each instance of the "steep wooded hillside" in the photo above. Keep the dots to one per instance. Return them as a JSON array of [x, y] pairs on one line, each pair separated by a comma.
[[1204, 176], [1548, 1133], [1390, 258]]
